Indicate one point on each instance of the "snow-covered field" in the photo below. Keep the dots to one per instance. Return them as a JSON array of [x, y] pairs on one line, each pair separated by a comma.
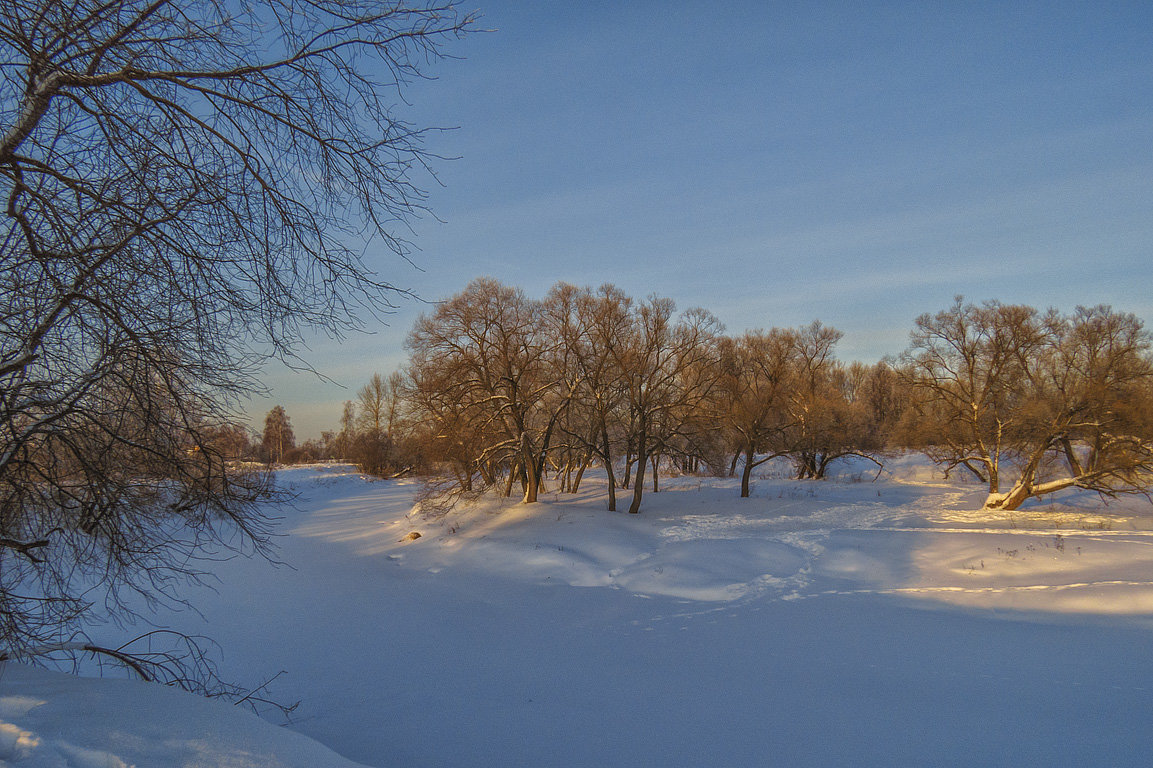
[[845, 622]]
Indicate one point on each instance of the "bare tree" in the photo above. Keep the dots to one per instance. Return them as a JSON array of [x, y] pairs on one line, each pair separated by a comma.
[[827, 422], [232, 440], [661, 362], [451, 437], [346, 437], [966, 365], [757, 373], [379, 408], [278, 438], [1041, 402], [586, 323], [487, 351], [882, 398], [187, 186]]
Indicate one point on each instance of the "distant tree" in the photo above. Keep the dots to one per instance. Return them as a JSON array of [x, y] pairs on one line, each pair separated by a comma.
[[757, 372], [687, 435], [278, 438], [328, 444], [311, 450], [231, 440], [784, 394], [450, 436], [379, 409], [1040, 402], [828, 423], [569, 449], [882, 397], [346, 438]]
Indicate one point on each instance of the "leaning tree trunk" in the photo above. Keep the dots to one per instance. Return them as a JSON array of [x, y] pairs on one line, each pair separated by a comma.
[[1025, 486], [580, 473], [1011, 499], [1020, 492]]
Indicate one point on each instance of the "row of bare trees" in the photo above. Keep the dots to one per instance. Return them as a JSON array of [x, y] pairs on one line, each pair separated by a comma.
[[503, 389], [372, 433], [506, 387]]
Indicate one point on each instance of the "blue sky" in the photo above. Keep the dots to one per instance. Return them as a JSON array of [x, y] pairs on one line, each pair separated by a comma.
[[860, 163]]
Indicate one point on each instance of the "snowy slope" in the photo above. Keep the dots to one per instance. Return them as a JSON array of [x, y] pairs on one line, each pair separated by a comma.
[[845, 622], [55, 720]]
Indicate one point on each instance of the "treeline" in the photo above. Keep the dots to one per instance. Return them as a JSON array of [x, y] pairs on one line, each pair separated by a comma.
[[371, 434], [504, 391]]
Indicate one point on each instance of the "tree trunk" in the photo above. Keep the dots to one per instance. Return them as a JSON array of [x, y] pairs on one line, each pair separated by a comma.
[[733, 465], [531, 473], [747, 472], [656, 460], [1020, 493], [1071, 457], [580, 473], [608, 460], [509, 481], [639, 483], [1010, 500]]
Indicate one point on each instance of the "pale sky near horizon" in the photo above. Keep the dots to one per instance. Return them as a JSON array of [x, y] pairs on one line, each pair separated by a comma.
[[775, 163]]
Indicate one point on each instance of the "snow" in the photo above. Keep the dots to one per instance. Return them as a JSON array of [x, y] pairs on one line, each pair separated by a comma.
[[56, 720], [815, 624]]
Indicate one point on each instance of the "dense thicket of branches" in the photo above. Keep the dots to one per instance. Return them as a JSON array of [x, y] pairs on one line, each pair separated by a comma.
[[507, 388], [186, 187]]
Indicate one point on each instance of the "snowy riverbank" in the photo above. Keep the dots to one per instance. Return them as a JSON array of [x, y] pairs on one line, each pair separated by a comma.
[[817, 623]]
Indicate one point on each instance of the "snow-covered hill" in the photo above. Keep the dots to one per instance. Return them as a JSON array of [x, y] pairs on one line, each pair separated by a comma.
[[56, 720], [844, 622]]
